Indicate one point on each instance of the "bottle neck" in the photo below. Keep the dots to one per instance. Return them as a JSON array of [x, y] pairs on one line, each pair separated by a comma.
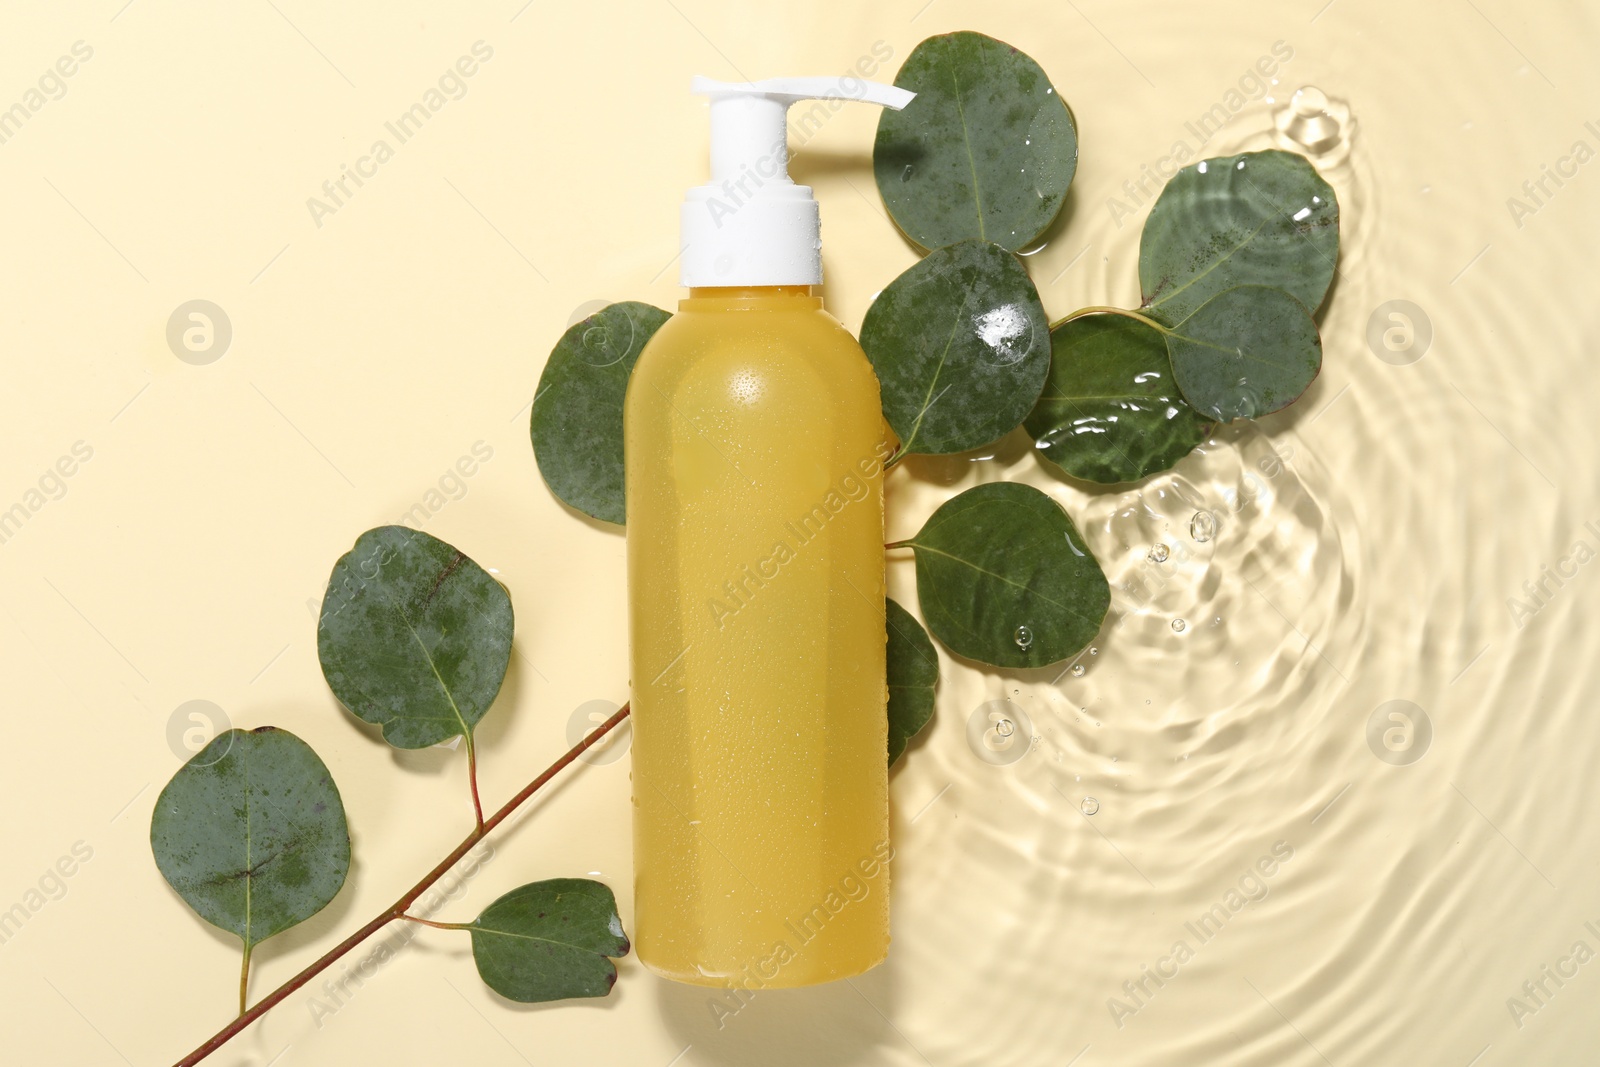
[[750, 298]]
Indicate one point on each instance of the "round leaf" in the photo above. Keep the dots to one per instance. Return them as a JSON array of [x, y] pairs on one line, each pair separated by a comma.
[[961, 346], [1004, 577], [1246, 352], [549, 941], [414, 636], [987, 149], [577, 412], [1261, 218], [251, 833], [913, 674], [1110, 411]]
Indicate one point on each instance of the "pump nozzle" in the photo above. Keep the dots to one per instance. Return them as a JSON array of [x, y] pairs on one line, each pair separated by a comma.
[[752, 225]]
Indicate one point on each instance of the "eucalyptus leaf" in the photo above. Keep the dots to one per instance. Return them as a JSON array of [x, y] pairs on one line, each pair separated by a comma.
[[1004, 577], [414, 636], [987, 149], [577, 412], [961, 347], [1261, 218], [1110, 411], [913, 675], [550, 940], [251, 833], [1247, 351]]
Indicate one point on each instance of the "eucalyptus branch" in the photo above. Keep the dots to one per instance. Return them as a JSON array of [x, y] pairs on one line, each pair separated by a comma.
[[398, 909]]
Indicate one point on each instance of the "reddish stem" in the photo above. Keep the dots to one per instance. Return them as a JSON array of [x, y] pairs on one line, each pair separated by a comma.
[[398, 909], [472, 777], [436, 926]]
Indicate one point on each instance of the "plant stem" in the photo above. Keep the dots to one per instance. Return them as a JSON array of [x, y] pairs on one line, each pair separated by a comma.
[[398, 909], [472, 777], [244, 977], [436, 926], [1102, 310]]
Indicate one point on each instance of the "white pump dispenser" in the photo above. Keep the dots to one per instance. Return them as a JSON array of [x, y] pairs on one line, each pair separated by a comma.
[[751, 225]]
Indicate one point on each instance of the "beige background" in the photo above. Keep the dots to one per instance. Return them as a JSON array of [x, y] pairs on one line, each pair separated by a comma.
[[185, 559]]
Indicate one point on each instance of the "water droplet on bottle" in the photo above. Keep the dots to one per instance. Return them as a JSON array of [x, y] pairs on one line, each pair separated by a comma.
[[905, 175], [1077, 670], [1159, 553], [1178, 626], [1089, 806], [1203, 526], [1024, 637], [1005, 728]]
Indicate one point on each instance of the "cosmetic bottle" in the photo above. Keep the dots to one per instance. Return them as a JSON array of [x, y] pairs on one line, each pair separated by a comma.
[[754, 449]]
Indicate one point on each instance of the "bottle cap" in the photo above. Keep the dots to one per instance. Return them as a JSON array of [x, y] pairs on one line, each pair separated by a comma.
[[751, 225]]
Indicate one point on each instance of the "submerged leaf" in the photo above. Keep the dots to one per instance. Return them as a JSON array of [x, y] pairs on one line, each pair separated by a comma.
[[987, 149], [577, 412], [913, 672], [1246, 352], [961, 347], [1110, 411], [251, 833], [1004, 578], [550, 940], [1261, 218], [414, 636]]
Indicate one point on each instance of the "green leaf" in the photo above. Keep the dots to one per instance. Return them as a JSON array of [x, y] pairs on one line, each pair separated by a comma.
[[987, 149], [577, 412], [961, 346], [913, 675], [1261, 218], [251, 833], [1004, 578], [1245, 352], [414, 636], [1110, 411], [549, 941]]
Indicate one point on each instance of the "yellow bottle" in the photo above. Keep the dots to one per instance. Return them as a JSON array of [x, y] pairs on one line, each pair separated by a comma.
[[754, 448]]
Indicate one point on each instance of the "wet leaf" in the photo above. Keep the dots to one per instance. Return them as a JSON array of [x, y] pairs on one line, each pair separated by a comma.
[[251, 833], [913, 675], [1246, 352], [550, 940], [577, 412], [1004, 577], [414, 636], [961, 346], [1261, 218], [1110, 411], [987, 149]]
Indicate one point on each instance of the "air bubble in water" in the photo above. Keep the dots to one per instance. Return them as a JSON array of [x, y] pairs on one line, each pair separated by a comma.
[[1203, 526], [1005, 728], [1089, 806], [1178, 626], [1024, 637], [1159, 553], [1077, 670]]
